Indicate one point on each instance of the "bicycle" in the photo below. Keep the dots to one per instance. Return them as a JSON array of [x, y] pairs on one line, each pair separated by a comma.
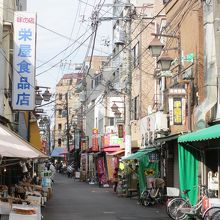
[[212, 213], [154, 194], [180, 208]]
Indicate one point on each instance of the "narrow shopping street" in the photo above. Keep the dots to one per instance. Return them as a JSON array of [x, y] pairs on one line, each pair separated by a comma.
[[79, 200]]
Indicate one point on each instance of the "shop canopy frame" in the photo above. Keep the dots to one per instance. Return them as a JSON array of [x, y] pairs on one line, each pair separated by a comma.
[[139, 154], [12, 145], [207, 134], [191, 149]]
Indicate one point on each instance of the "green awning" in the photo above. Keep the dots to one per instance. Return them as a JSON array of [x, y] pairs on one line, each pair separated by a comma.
[[209, 133], [139, 154]]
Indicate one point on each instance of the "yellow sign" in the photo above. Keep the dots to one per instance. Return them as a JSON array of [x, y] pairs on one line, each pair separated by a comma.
[[177, 111], [149, 172]]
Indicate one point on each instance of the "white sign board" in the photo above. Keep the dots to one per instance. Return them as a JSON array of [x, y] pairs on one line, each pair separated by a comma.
[[24, 61]]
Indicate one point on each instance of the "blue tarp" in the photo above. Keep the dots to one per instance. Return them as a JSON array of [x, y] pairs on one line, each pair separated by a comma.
[[58, 152]]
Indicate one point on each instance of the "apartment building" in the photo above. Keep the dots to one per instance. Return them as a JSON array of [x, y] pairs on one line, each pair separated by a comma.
[[66, 107]]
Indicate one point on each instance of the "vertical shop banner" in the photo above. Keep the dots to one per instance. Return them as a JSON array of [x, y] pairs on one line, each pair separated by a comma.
[[24, 61], [177, 111], [95, 143], [84, 163], [112, 163], [84, 143], [101, 170], [120, 131]]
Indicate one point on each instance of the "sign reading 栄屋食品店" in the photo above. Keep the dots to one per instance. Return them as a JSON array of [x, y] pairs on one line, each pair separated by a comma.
[[23, 97]]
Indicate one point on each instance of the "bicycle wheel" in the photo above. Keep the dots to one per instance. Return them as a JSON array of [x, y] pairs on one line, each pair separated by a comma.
[[216, 215], [212, 213], [174, 208], [145, 198]]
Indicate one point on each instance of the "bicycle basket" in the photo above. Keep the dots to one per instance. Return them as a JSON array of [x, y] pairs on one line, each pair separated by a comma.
[[173, 192]]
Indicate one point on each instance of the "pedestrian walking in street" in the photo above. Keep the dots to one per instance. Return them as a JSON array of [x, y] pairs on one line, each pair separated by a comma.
[[115, 179]]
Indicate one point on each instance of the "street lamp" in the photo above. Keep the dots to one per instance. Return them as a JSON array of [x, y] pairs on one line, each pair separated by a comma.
[[164, 62], [46, 95], [38, 99], [114, 107], [44, 124], [117, 114], [155, 47]]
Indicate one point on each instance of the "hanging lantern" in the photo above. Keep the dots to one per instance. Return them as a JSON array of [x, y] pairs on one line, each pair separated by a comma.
[[155, 47], [38, 99], [46, 95], [164, 62], [114, 108]]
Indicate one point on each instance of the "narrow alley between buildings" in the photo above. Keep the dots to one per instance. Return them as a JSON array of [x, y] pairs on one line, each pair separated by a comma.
[[79, 200]]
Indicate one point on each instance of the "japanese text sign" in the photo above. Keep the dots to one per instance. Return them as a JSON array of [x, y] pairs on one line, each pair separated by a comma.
[[95, 143], [24, 61]]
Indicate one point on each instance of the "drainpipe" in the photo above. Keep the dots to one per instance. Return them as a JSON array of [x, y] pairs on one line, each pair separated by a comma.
[[216, 11], [217, 42], [2, 61], [210, 68]]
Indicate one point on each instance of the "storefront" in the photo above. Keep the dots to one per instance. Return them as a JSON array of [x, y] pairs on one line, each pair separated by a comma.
[[169, 167], [199, 154], [19, 182], [141, 167]]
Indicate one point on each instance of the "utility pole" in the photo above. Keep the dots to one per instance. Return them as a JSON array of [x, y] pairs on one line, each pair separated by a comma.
[[67, 124], [49, 137], [128, 87], [2, 62], [128, 83]]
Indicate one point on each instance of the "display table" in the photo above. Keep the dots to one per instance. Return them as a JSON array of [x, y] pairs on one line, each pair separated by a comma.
[[16, 216]]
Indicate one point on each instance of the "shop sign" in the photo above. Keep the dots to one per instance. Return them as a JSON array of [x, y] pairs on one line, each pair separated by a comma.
[[112, 140], [95, 143], [120, 131], [23, 97], [84, 143], [84, 161], [177, 110], [184, 58]]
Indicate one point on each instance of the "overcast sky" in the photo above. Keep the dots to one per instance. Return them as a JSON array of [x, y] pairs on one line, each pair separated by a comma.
[[58, 22]]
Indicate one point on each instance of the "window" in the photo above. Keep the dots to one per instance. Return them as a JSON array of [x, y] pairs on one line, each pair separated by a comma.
[[60, 112], [92, 84], [111, 121], [59, 142], [135, 108], [96, 81], [60, 96], [135, 55], [59, 126]]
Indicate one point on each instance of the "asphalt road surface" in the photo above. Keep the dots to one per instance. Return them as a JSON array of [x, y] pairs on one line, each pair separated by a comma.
[[75, 200]]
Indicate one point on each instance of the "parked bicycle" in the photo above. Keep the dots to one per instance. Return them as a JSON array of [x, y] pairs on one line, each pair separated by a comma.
[[212, 213], [180, 208], [154, 194]]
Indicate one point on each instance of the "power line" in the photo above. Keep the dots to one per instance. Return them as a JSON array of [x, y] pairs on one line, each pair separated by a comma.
[[64, 50], [66, 56]]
